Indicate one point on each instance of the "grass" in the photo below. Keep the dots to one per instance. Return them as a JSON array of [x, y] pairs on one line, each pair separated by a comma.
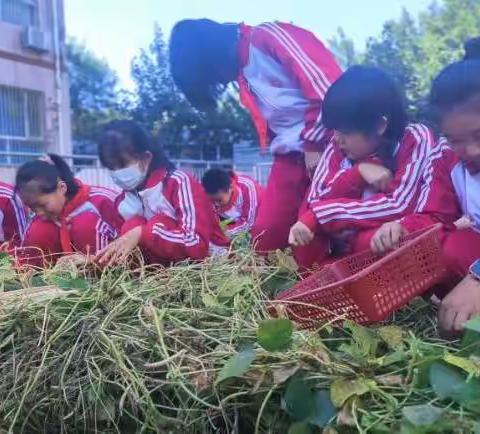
[[176, 350]]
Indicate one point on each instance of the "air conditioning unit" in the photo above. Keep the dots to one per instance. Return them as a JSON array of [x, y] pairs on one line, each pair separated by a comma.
[[35, 39]]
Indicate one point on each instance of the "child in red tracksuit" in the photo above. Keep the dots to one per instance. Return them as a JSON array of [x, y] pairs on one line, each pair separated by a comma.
[[369, 174], [236, 199], [283, 73], [70, 217], [13, 218], [167, 214], [451, 188]]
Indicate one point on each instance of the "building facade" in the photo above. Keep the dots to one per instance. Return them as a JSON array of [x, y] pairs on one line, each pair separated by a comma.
[[34, 99]]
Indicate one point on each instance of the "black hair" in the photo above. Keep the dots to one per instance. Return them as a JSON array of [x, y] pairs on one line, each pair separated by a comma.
[[459, 82], [216, 180], [359, 100], [124, 137], [46, 175], [199, 51]]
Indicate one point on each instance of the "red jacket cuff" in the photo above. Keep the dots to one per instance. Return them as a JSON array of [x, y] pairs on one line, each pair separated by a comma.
[[309, 219]]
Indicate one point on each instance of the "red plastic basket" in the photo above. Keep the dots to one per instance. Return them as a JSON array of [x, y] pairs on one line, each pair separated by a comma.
[[364, 287]]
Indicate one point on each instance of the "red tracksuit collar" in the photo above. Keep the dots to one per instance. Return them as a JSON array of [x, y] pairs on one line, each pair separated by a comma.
[[155, 177], [233, 196], [244, 44], [246, 96]]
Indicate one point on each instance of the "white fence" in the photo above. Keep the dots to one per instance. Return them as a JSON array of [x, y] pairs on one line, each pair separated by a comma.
[[88, 168]]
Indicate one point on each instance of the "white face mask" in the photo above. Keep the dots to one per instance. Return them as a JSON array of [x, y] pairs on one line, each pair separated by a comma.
[[128, 178]]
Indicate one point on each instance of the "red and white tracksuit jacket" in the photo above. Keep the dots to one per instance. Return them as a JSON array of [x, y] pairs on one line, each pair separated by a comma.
[[242, 207], [339, 198], [341, 208], [89, 221], [449, 192], [13, 216], [285, 73], [178, 221]]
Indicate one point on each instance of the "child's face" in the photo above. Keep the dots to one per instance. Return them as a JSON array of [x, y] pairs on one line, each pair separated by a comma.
[[130, 171], [356, 145], [128, 160], [48, 206], [222, 197], [462, 129]]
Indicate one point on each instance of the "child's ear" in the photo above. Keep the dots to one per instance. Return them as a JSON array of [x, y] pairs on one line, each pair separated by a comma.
[[382, 126], [62, 187], [148, 159]]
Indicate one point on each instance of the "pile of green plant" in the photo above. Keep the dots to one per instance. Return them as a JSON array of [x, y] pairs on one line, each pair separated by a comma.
[[192, 349]]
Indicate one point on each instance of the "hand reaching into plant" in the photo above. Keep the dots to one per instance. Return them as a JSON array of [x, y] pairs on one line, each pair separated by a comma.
[[387, 238], [376, 175], [300, 235], [118, 251], [75, 259], [461, 304]]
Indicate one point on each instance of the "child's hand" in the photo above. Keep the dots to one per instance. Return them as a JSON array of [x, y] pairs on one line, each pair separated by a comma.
[[300, 235], [75, 259], [375, 175], [387, 238], [118, 251], [463, 222], [461, 304]]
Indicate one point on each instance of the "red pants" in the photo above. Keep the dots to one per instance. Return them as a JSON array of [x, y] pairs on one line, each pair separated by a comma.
[[278, 212], [318, 252], [460, 249]]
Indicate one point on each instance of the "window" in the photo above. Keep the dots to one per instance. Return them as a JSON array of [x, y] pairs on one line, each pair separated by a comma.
[[21, 124], [21, 12]]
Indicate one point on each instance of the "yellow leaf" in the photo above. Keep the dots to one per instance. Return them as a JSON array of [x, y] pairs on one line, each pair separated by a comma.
[[342, 390], [469, 366], [392, 336]]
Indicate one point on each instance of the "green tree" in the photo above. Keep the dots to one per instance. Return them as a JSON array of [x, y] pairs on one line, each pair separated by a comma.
[[93, 95], [397, 51], [162, 109], [413, 50], [444, 28], [343, 49]]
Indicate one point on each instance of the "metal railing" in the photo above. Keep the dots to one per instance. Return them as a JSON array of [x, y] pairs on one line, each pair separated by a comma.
[[88, 167]]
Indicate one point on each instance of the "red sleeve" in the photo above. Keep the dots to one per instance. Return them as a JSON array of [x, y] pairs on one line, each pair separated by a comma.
[[310, 64], [251, 198], [90, 232], [438, 201], [188, 234], [106, 201], [12, 220], [330, 181], [339, 214], [41, 243]]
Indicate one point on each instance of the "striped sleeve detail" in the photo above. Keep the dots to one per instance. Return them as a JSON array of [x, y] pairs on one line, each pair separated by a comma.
[[249, 219], [311, 71], [187, 234], [105, 234], [437, 153], [18, 209], [393, 204], [318, 187]]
